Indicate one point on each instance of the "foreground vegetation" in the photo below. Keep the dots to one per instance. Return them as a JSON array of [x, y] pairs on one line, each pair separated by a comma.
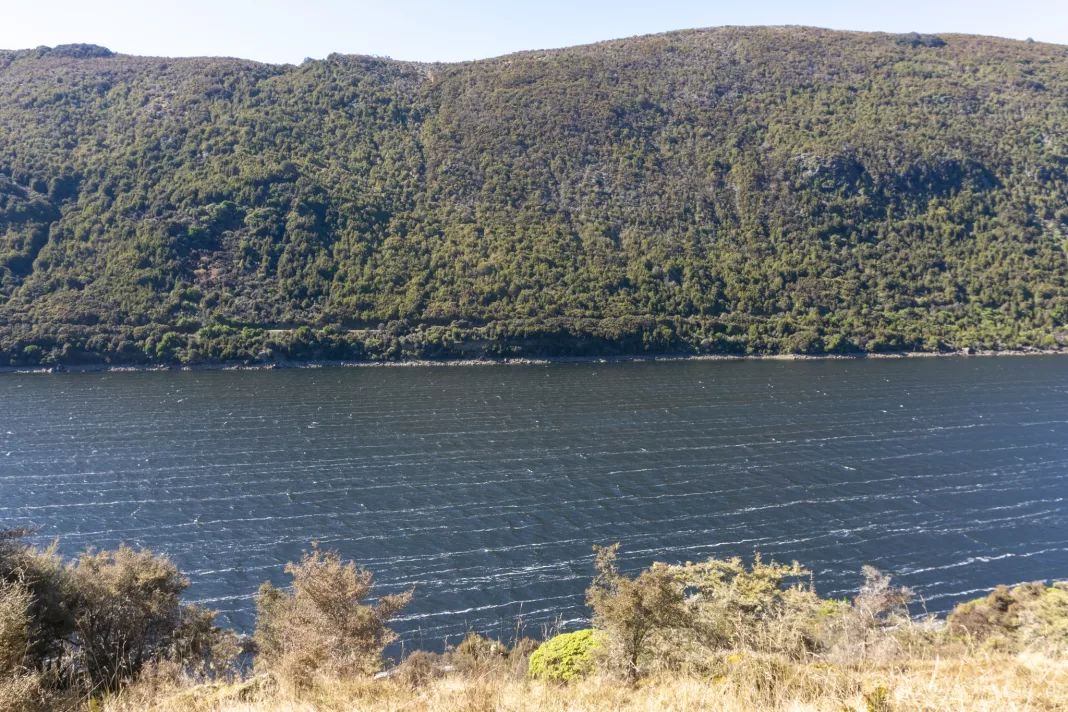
[[748, 191], [108, 633]]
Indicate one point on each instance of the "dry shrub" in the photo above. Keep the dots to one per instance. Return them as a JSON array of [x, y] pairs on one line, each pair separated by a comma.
[[15, 603], [1028, 616], [20, 687], [419, 668], [735, 607], [96, 623], [674, 617], [42, 574], [477, 651], [634, 610], [127, 614], [1044, 623], [879, 601], [477, 655], [876, 626], [996, 615], [517, 666], [322, 627], [33, 620], [524, 647], [203, 650]]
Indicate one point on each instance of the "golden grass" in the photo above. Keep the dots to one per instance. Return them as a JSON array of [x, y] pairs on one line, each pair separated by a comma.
[[976, 683]]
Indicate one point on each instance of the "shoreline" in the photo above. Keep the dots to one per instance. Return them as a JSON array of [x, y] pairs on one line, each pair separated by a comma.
[[519, 361]]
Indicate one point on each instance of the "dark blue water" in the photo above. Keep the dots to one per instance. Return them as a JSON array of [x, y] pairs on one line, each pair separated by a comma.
[[485, 487]]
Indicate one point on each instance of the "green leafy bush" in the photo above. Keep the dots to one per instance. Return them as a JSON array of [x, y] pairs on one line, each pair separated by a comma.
[[567, 656]]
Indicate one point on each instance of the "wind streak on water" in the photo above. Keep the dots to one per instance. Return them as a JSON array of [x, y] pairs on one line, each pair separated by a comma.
[[484, 488]]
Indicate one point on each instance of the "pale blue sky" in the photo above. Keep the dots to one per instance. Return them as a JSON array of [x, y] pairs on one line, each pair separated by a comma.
[[290, 30]]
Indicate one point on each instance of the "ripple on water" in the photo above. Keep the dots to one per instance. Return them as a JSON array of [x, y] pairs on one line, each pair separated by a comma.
[[484, 488]]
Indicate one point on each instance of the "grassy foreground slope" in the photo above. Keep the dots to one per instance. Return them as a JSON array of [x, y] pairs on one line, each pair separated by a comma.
[[109, 632], [985, 683], [735, 190]]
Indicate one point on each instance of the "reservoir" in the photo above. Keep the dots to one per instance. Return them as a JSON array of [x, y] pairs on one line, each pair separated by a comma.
[[484, 488]]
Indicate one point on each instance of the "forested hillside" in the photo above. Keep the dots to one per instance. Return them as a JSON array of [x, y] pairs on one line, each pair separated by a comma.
[[736, 190]]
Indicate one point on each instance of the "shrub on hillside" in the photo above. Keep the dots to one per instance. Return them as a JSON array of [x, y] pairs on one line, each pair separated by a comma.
[[419, 668], [14, 627], [634, 610], [876, 624], [20, 689], [127, 614], [680, 614], [878, 600], [1030, 615], [202, 649], [524, 648], [96, 623], [41, 573], [476, 651], [567, 657], [1045, 621], [323, 627], [750, 608]]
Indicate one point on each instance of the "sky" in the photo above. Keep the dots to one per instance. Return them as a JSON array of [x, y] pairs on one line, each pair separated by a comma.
[[456, 30]]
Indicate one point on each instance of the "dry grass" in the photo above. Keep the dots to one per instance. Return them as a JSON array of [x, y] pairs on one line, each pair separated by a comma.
[[19, 687], [710, 636], [977, 683]]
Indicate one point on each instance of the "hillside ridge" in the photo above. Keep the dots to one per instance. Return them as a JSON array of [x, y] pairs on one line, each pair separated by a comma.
[[77, 50], [723, 190]]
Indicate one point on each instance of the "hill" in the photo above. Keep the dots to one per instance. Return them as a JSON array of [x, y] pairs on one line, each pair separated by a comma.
[[733, 190]]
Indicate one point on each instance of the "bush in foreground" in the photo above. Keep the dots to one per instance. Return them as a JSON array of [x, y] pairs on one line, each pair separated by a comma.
[[94, 624], [1030, 616], [567, 657], [128, 614], [20, 688], [634, 610], [41, 573], [323, 627]]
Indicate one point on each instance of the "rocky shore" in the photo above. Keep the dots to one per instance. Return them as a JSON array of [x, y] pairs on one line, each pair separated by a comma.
[[662, 358]]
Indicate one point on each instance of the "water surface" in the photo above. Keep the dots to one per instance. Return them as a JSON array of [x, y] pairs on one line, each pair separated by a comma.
[[485, 487]]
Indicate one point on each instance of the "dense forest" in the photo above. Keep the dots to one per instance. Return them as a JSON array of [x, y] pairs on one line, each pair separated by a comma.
[[734, 190]]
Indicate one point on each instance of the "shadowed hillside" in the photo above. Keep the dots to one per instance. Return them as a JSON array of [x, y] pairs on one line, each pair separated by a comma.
[[735, 190]]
